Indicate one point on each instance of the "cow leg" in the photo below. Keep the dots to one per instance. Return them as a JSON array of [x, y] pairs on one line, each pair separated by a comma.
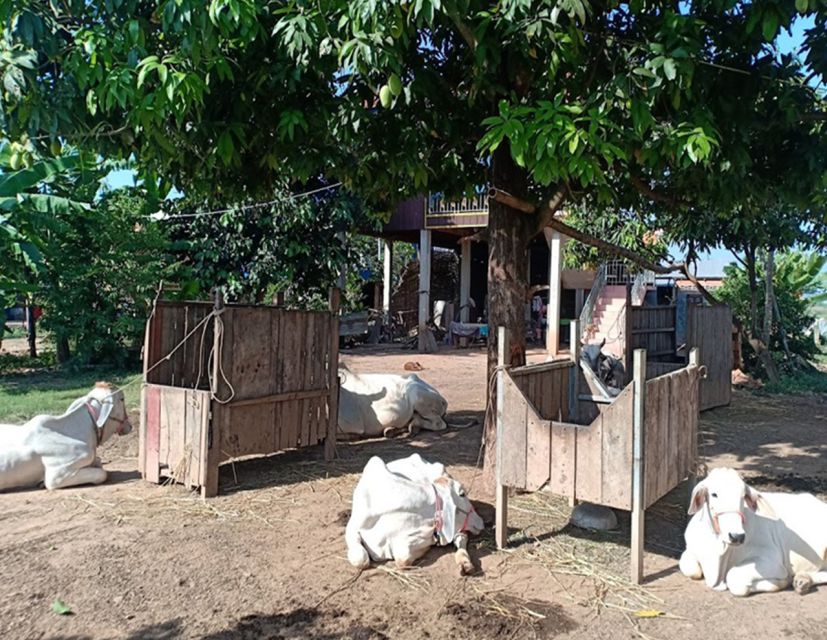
[[407, 548], [804, 582], [461, 557], [689, 566], [63, 477], [750, 578], [357, 555]]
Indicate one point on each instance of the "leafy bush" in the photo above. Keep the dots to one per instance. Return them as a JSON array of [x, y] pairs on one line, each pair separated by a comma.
[[294, 245], [101, 269], [796, 284]]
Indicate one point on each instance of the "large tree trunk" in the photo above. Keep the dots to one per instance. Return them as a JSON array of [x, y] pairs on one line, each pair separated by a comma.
[[509, 233], [63, 352]]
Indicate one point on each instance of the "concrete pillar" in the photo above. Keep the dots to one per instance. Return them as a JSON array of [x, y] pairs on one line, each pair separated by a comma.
[[387, 279], [424, 290], [555, 288], [465, 282]]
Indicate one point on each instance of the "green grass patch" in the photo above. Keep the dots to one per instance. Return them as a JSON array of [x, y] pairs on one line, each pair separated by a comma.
[[50, 391], [799, 383]]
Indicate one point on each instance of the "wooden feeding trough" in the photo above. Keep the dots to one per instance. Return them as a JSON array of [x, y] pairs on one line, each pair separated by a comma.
[[626, 452], [226, 382]]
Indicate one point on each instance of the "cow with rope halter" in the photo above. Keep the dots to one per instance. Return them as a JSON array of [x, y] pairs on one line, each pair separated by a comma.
[[402, 508], [746, 541], [60, 451]]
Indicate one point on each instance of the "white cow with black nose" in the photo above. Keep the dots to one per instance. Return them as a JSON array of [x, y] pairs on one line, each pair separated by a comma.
[[750, 542]]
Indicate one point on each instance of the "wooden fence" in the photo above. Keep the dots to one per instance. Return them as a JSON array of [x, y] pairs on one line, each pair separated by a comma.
[[243, 381], [653, 329], [542, 439], [709, 329]]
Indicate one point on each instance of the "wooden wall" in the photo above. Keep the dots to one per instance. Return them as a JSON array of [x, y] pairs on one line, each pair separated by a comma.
[[169, 324], [278, 364], [274, 386], [709, 329], [670, 432], [593, 462], [174, 434], [652, 328]]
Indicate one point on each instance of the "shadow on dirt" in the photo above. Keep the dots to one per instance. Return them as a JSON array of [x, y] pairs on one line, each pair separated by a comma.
[[451, 447]]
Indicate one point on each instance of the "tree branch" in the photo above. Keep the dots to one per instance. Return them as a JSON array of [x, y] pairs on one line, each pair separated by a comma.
[[655, 196], [464, 30], [546, 215]]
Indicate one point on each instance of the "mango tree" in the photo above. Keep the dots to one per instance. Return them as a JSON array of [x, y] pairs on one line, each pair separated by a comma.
[[652, 106]]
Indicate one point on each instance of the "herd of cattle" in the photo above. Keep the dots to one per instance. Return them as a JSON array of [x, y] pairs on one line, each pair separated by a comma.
[[737, 539]]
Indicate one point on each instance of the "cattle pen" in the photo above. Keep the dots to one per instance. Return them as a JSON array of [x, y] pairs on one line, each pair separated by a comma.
[[225, 382], [626, 452]]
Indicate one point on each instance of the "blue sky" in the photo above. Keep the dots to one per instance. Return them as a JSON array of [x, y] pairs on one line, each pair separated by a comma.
[[711, 264]]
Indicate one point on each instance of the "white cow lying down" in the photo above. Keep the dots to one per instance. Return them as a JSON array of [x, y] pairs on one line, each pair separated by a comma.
[[378, 404], [402, 508], [60, 450], [751, 542]]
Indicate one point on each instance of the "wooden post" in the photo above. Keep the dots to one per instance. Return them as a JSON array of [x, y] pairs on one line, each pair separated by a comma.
[[424, 288], [333, 381], [218, 413], [465, 287], [387, 280], [142, 424], [574, 376], [628, 342], [555, 287], [638, 449], [692, 480], [503, 352]]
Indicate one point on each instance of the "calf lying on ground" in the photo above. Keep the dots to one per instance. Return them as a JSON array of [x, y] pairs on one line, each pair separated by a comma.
[[379, 404], [402, 508], [751, 542], [60, 450]]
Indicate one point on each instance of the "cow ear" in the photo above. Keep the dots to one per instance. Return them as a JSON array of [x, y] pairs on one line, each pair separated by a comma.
[[758, 503], [106, 410], [699, 497]]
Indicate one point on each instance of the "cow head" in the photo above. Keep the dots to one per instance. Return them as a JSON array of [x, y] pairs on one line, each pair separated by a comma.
[[591, 353], [462, 518], [611, 371], [112, 417], [725, 495]]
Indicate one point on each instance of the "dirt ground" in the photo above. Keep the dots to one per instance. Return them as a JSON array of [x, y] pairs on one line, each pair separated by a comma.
[[266, 559]]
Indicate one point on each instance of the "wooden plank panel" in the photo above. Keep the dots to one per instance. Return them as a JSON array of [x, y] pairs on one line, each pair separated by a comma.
[[173, 426], [292, 338], [163, 447], [617, 452], [307, 421], [277, 374], [317, 336], [152, 410], [667, 413], [515, 412], [538, 451], [589, 469], [563, 459], [652, 439]]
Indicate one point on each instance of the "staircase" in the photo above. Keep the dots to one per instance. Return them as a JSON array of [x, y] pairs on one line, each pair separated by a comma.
[[608, 319], [604, 312]]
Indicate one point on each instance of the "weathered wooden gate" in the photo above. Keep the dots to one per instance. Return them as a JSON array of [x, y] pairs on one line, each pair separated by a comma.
[[237, 381], [709, 329]]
